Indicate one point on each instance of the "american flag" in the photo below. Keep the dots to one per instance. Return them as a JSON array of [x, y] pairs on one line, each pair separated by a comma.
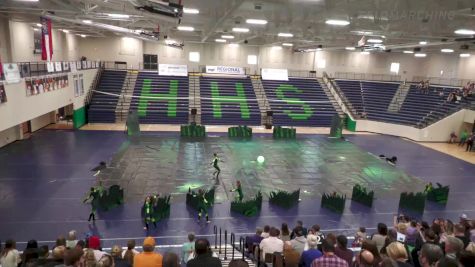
[[46, 39]]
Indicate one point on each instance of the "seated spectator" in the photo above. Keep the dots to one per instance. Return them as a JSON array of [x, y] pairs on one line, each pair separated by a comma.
[[265, 233], [251, 240], [467, 259], [10, 257], [148, 258], [43, 253], [81, 244], [272, 243], [397, 252], [329, 259], [364, 259], [116, 253], [312, 253], [60, 241], [30, 254], [284, 232], [452, 247], [341, 249], [453, 137], [428, 238], [380, 237], [204, 255], [360, 236], [188, 247], [72, 240], [370, 246], [472, 231], [291, 256], [94, 243], [58, 256], [72, 257], [88, 258], [430, 254], [299, 242], [105, 261], [299, 224], [171, 260], [128, 255], [459, 232], [447, 262], [412, 233]]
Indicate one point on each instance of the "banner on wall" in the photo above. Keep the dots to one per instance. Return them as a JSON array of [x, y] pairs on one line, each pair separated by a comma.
[[72, 65], [81, 84], [84, 65], [78, 65], [46, 39], [172, 70], [39, 85], [89, 64], [76, 85], [275, 74], [50, 66], [225, 70], [3, 94], [11, 72], [65, 66], [57, 66]]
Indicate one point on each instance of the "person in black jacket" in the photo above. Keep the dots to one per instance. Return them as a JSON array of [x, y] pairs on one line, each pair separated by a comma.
[[203, 256]]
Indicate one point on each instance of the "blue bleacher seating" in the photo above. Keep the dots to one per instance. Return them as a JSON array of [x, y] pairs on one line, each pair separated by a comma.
[[102, 107]]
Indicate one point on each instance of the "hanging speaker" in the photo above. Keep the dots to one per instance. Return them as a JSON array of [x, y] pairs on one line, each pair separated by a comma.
[[193, 111], [270, 113]]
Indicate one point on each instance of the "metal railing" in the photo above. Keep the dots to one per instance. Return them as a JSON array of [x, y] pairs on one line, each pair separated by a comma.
[[36, 69], [367, 76], [302, 73], [93, 87], [442, 81], [343, 102]]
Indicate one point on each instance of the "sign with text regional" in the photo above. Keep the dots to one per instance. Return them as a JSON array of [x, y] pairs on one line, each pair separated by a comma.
[[225, 70]]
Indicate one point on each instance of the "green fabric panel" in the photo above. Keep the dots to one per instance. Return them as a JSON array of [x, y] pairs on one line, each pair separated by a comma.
[[79, 117], [350, 124]]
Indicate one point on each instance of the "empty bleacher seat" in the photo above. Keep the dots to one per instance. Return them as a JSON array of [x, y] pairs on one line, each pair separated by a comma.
[[102, 106]]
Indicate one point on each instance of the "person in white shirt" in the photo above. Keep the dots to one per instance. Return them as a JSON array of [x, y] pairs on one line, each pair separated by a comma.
[[272, 243], [10, 257], [265, 233]]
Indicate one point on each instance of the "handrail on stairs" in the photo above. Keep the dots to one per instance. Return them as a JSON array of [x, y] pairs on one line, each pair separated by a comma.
[[225, 244], [242, 243], [215, 229], [220, 240], [233, 239]]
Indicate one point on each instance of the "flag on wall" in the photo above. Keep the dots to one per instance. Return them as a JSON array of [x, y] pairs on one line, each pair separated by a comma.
[[1, 69], [46, 39]]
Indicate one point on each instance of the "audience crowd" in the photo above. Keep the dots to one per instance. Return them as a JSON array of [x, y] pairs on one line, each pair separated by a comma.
[[408, 243]]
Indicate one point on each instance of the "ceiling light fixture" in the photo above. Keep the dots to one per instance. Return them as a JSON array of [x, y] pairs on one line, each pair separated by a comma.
[[36, 29], [284, 34], [408, 52], [240, 30], [65, 31], [87, 21], [169, 41], [38, 24], [185, 28], [420, 55], [83, 35], [220, 40], [375, 41], [277, 47], [28, 0], [423, 42], [227, 36], [287, 44], [364, 53], [446, 50], [465, 32], [256, 21], [119, 16], [234, 45], [350, 48], [464, 55], [190, 11], [337, 22]]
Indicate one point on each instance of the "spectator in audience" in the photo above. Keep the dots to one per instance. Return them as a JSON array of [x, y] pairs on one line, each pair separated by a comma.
[[94, 243], [10, 257], [320, 235], [452, 247], [171, 260], [397, 252], [312, 253], [329, 259], [72, 257], [265, 233], [105, 261], [58, 256], [467, 259], [285, 232], [203, 255], [331, 237], [447, 262], [370, 245], [251, 240], [60, 241], [43, 253], [299, 223], [429, 237], [89, 259], [453, 137], [188, 247], [116, 253], [291, 256], [30, 254], [272, 243], [72, 240], [128, 255], [380, 237], [341, 249], [459, 232], [148, 258], [298, 243], [360, 236], [429, 255], [447, 230], [472, 231], [364, 259], [81, 244], [411, 233]]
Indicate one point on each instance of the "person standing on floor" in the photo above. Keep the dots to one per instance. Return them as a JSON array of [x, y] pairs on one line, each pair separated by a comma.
[[470, 143]]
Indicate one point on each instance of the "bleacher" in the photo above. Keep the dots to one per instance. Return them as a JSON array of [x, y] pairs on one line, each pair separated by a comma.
[[228, 101], [167, 102], [292, 103], [372, 98], [102, 107]]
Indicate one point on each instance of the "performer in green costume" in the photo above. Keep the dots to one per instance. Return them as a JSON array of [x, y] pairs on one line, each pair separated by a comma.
[[215, 162], [148, 213], [93, 198], [238, 189], [202, 205]]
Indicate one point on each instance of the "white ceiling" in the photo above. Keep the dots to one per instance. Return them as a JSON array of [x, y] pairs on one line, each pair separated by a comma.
[[403, 23]]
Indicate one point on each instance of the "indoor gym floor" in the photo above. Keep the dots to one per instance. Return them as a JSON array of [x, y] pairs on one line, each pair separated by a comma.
[[43, 181]]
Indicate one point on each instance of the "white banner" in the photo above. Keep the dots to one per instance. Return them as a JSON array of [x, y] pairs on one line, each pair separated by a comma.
[[12, 73], [57, 66], [65, 66], [50, 66], [172, 70], [275, 74], [225, 70], [73, 66]]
